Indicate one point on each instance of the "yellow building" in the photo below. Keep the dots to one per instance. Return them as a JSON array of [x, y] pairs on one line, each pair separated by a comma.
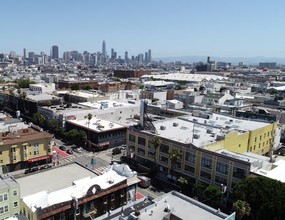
[[212, 150], [25, 148]]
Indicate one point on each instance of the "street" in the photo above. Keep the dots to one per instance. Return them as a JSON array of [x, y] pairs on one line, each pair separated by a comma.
[[102, 161]]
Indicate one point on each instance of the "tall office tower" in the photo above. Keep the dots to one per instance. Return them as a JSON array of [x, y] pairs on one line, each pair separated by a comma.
[[104, 52], [149, 55], [54, 52], [208, 59], [115, 55], [140, 58], [25, 53], [112, 53], [146, 57], [126, 56]]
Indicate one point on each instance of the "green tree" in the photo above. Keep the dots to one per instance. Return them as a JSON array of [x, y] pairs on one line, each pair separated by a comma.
[[87, 87], [24, 83], [213, 193], [89, 117], [39, 119], [75, 87], [198, 189], [52, 125], [265, 196], [242, 208], [174, 156], [155, 142]]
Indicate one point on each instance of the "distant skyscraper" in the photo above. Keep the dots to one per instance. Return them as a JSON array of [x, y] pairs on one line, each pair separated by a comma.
[[146, 57], [104, 52], [54, 52], [126, 56], [149, 55], [112, 53], [25, 54]]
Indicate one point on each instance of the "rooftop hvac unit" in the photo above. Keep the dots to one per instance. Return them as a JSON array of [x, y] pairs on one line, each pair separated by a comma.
[[175, 124], [220, 137], [196, 136], [162, 127], [209, 131]]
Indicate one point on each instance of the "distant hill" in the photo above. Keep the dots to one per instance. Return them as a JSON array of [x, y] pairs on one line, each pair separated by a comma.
[[233, 60]]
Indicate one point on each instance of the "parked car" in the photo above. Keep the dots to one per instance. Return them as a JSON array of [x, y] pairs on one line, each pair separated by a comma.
[[62, 148], [69, 151], [116, 150], [145, 181], [31, 170], [46, 166], [77, 149]]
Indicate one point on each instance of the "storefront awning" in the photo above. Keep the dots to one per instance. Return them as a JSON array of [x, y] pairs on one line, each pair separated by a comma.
[[39, 158]]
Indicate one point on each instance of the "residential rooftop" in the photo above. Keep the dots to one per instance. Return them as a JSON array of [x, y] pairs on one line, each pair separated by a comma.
[[174, 205], [7, 181]]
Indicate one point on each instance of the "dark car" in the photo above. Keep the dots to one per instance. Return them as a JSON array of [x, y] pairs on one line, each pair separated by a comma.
[[62, 148], [45, 167], [69, 151], [31, 170], [116, 150]]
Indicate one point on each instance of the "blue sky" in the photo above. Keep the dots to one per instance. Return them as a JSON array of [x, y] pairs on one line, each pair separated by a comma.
[[225, 28]]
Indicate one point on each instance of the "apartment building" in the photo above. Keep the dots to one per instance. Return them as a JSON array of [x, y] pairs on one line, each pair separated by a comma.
[[25, 148], [9, 197]]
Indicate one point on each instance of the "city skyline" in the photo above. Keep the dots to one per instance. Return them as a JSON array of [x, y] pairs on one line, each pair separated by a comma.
[[184, 28]]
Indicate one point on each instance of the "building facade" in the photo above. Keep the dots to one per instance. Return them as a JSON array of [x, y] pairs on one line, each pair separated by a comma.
[[25, 148]]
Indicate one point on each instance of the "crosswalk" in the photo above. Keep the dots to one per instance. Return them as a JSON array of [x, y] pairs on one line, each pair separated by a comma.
[[101, 170]]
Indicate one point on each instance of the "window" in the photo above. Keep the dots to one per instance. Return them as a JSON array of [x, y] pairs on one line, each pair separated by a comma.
[[15, 204], [206, 162], [105, 200], [163, 159], [122, 193], [190, 157], [36, 149], [132, 138], [239, 173], [164, 148], [260, 137], [14, 157], [222, 168], [141, 151], [221, 180], [113, 197], [15, 192], [141, 141], [4, 209], [255, 139], [62, 216], [3, 197], [151, 154], [0, 152], [205, 175], [189, 169], [13, 150]]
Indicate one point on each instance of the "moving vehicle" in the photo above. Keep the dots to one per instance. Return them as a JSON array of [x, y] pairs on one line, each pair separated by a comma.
[[145, 181], [62, 148]]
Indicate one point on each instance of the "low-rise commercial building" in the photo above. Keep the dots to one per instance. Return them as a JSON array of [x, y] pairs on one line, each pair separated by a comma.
[[78, 194], [211, 147]]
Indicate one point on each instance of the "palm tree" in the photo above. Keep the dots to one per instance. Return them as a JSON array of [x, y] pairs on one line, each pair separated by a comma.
[[156, 142], [39, 119], [174, 156], [242, 208], [89, 117]]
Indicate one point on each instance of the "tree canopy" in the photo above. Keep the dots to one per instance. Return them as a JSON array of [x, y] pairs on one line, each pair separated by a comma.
[[266, 197]]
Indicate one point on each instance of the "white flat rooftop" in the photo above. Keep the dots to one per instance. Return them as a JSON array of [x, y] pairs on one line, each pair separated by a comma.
[[275, 171], [52, 179], [97, 125], [105, 104], [180, 206], [186, 77]]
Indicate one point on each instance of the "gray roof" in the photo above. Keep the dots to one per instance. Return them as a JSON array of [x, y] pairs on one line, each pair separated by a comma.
[[7, 181]]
